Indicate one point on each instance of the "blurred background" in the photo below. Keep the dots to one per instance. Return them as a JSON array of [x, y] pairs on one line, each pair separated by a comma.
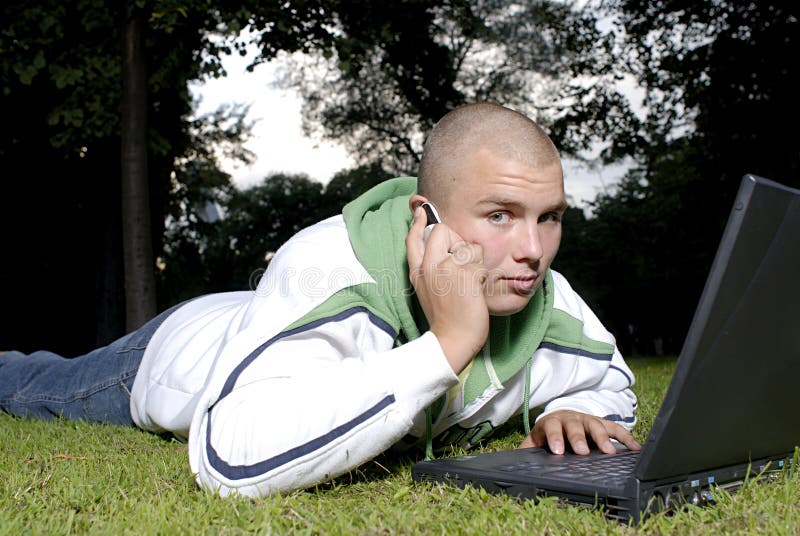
[[155, 150]]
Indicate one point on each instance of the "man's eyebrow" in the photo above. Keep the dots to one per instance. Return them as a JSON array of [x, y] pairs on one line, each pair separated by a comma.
[[561, 206], [500, 201]]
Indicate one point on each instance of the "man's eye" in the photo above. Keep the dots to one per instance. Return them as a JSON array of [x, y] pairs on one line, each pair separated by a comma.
[[499, 217], [550, 216]]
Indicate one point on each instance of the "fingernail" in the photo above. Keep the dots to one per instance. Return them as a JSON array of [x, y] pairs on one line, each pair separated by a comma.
[[558, 448], [581, 446]]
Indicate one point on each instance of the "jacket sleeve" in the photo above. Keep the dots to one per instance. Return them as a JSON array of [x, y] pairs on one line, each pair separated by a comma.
[[610, 397], [587, 372], [311, 404]]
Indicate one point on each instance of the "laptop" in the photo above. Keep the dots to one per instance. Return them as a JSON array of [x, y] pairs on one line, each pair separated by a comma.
[[731, 410]]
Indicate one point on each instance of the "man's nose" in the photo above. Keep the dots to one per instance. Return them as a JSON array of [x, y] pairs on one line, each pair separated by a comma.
[[529, 245]]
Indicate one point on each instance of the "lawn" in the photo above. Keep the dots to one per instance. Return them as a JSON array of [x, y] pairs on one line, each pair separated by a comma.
[[63, 477]]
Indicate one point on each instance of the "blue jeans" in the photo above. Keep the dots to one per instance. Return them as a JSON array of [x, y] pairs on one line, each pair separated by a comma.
[[95, 387]]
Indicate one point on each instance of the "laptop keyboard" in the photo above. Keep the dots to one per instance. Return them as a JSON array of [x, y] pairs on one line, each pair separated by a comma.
[[612, 470]]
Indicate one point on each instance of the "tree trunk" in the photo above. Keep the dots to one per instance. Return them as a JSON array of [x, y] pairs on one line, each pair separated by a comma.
[[140, 298]]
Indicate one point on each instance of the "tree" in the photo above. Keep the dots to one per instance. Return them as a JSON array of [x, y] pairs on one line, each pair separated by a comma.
[[231, 252], [200, 192], [59, 152], [397, 66], [717, 78], [640, 261], [720, 73], [348, 184], [60, 71], [140, 291]]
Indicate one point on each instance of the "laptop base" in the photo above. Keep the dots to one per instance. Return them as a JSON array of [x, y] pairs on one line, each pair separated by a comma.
[[631, 501]]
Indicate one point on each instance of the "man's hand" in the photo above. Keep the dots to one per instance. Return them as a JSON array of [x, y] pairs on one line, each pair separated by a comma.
[[449, 278], [551, 429]]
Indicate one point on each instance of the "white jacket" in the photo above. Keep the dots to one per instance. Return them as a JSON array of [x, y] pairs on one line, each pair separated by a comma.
[[269, 410]]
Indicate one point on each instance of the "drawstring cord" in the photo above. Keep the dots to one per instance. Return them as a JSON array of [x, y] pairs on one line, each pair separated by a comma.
[[526, 418], [428, 434], [526, 399]]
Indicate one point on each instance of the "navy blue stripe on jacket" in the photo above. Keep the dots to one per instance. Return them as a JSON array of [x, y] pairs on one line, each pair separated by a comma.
[[576, 351], [239, 472]]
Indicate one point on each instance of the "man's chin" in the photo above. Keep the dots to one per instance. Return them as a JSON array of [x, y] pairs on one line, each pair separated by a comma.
[[508, 305]]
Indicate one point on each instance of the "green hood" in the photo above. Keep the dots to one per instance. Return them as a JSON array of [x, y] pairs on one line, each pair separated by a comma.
[[377, 224]]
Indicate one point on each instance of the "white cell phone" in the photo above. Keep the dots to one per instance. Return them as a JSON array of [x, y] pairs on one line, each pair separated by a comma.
[[433, 219]]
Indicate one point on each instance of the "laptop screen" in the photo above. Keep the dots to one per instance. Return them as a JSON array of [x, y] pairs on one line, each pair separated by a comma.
[[735, 394]]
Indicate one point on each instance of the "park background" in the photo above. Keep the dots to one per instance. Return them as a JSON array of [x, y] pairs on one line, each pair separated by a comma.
[[100, 99]]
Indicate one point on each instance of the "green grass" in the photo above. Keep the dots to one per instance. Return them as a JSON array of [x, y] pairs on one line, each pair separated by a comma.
[[64, 478]]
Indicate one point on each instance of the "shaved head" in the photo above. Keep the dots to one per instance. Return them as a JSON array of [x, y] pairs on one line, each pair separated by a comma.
[[466, 130]]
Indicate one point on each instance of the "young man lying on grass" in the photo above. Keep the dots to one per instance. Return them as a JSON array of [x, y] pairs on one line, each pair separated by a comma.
[[363, 336]]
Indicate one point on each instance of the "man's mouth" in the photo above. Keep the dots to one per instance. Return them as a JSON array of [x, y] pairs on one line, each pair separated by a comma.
[[522, 284]]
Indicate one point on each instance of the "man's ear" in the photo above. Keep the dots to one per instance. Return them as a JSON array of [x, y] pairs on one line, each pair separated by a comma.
[[415, 201]]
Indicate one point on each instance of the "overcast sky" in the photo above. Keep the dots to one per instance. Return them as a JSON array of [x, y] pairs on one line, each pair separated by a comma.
[[280, 146]]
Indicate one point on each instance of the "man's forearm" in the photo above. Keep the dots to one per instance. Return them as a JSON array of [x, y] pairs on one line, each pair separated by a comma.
[[288, 432]]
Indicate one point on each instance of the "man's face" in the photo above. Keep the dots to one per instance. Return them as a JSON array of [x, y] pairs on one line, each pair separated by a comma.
[[514, 212]]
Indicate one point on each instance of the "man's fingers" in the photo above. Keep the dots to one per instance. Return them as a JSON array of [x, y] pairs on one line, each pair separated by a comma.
[[415, 247], [602, 431], [600, 436], [528, 442], [536, 438], [555, 435], [576, 434], [578, 428], [463, 253], [622, 435]]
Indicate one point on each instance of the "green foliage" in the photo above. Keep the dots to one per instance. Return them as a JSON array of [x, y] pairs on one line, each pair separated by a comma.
[[640, 261], [717, 77], [723, 71], [230, 253], [60, 70], [63, 477], [348, 184], [259, 219], [398, 66], [198, 187], [84, 73]]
